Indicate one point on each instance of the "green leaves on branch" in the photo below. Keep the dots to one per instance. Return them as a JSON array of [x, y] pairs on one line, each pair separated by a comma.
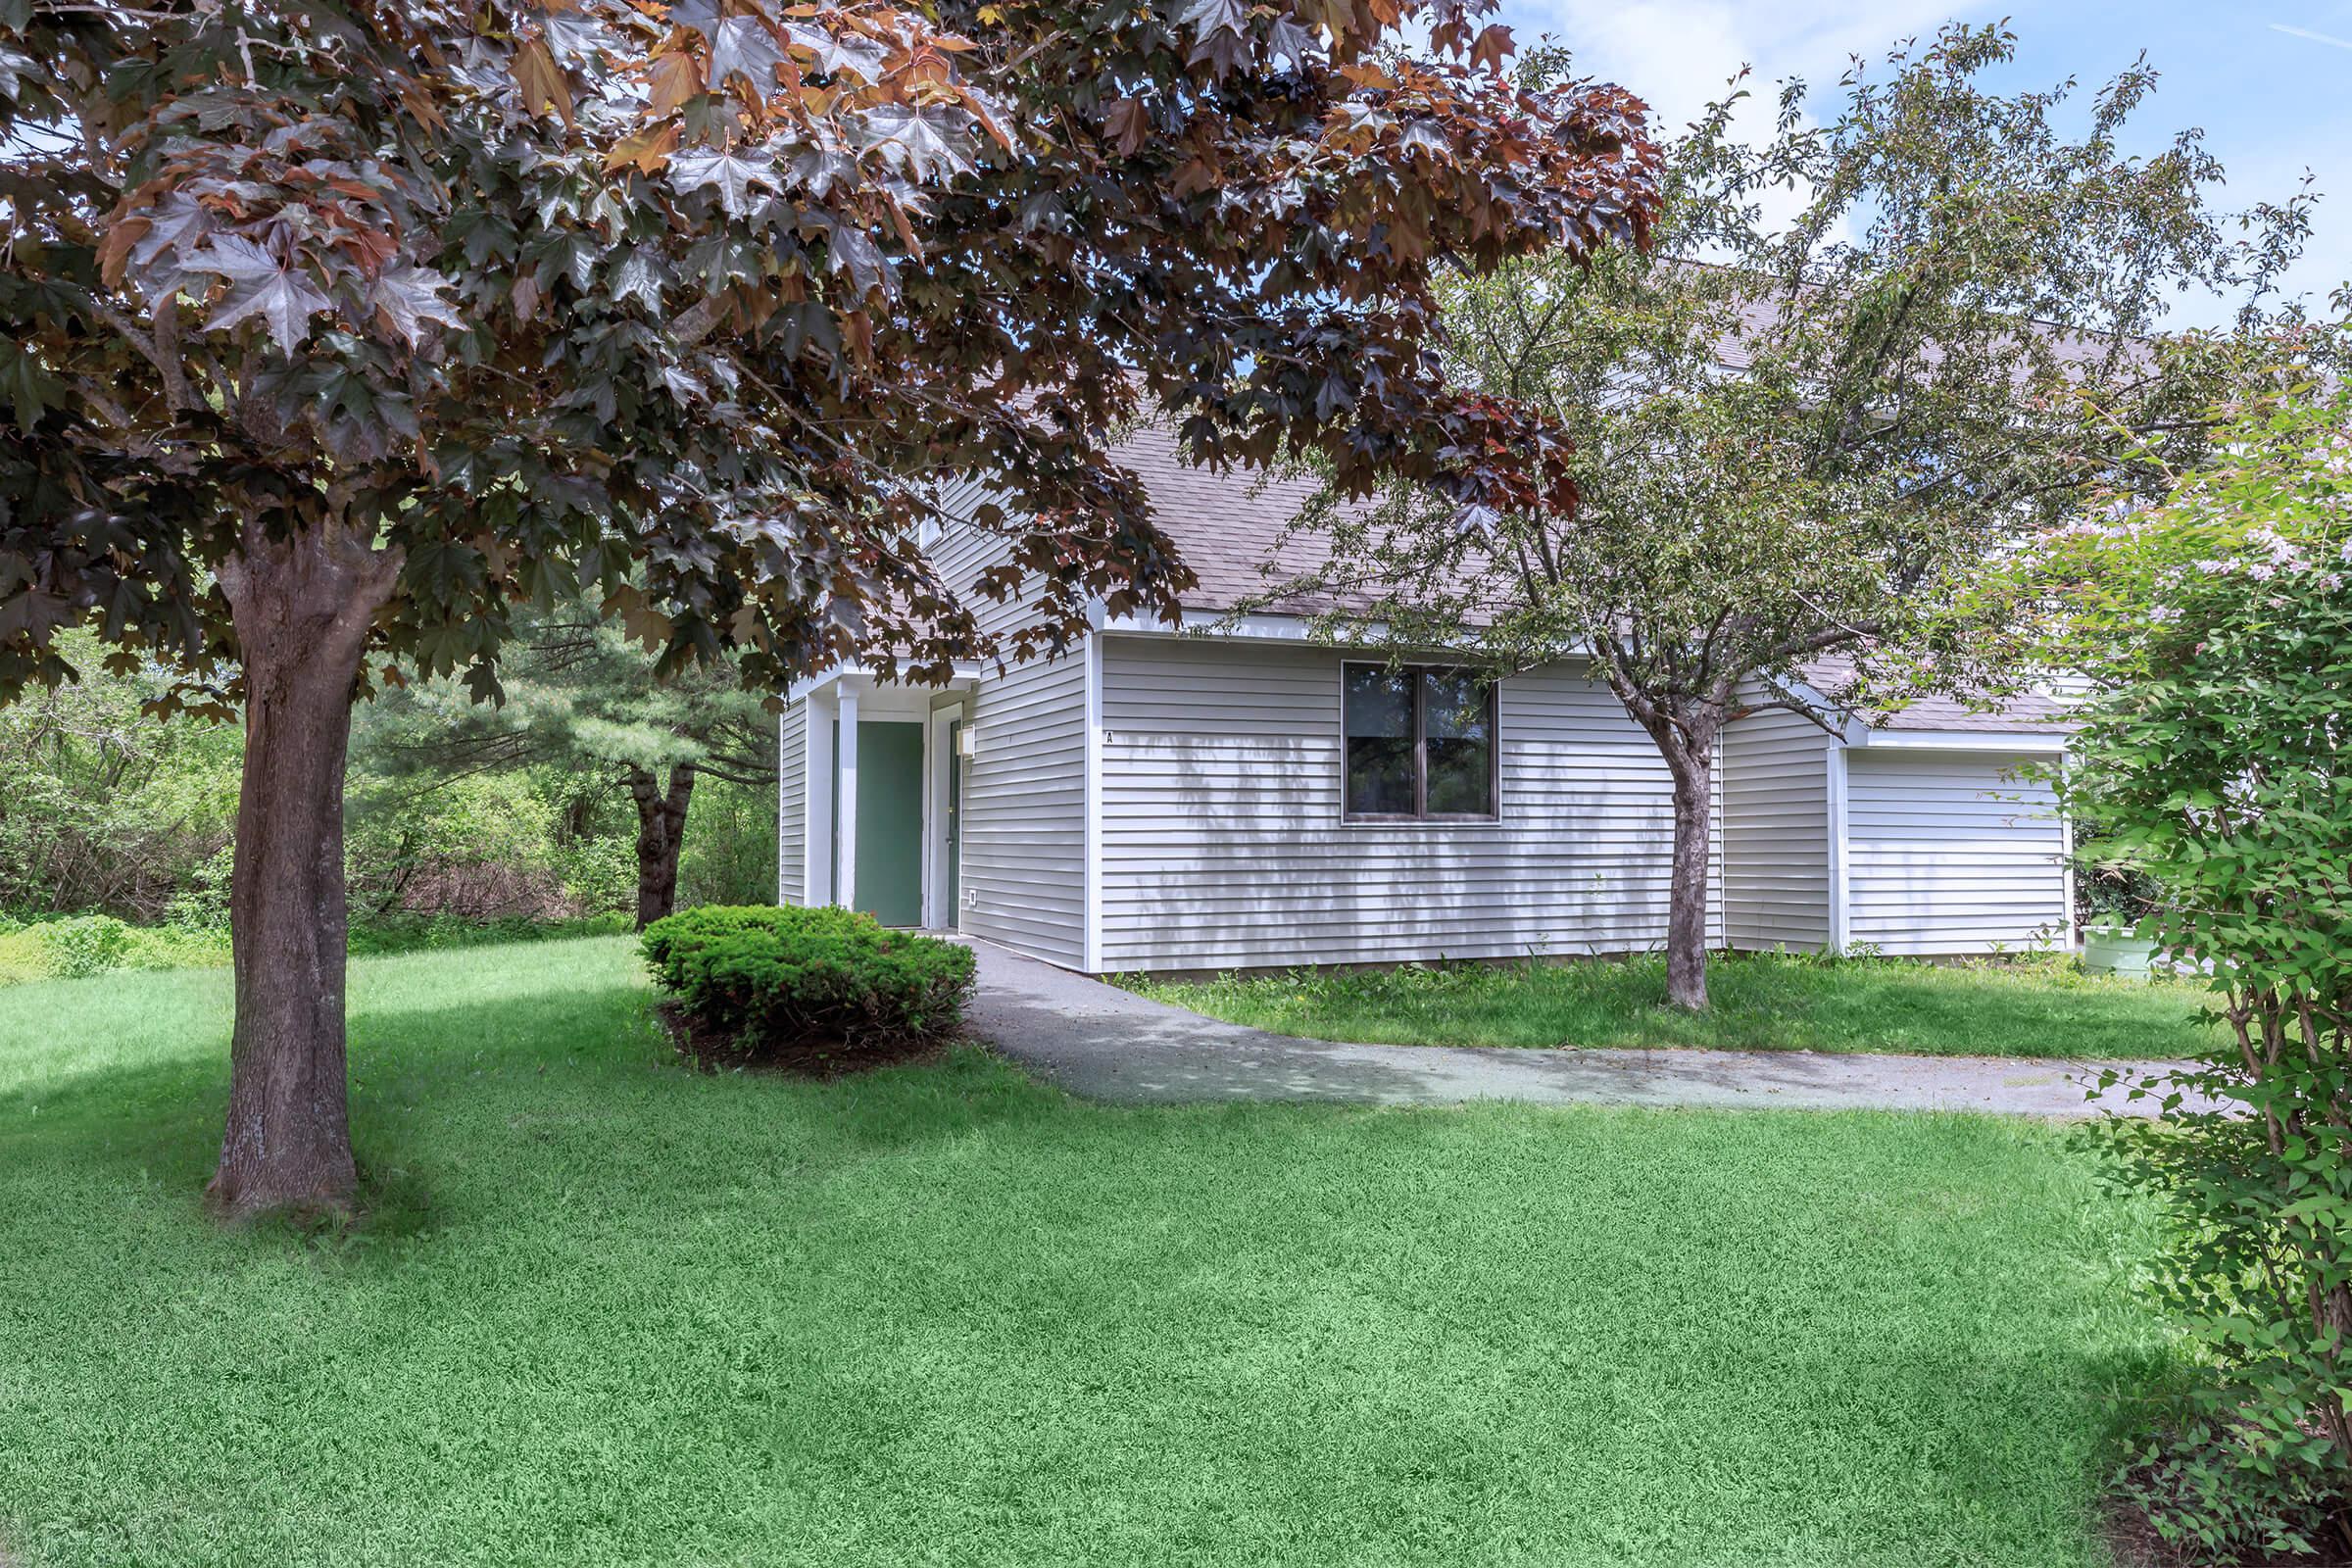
[[2218, 628], [1800, 434], [705, 302]]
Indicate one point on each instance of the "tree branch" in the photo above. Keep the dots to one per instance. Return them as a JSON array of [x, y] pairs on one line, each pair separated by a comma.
[[150, 347]]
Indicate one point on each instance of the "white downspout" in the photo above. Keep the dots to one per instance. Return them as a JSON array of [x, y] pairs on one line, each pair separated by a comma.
[[2068, 941]]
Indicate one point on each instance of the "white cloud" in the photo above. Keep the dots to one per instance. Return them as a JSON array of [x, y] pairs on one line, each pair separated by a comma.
[[1680, 54]]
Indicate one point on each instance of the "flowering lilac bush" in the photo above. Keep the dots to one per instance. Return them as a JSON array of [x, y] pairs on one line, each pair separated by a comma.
[[2219, 629]]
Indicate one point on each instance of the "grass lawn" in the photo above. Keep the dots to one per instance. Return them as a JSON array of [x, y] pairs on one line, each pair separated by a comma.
[[607, 1311], [2038, 1007]]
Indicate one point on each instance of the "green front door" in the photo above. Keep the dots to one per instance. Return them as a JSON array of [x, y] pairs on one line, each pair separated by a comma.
[[890, 820]]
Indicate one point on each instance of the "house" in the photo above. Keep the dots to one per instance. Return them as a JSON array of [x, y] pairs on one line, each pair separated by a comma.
[[1229, 794]]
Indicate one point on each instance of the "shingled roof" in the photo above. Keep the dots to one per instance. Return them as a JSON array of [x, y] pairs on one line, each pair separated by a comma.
[[2029, 713], [1228, 526]]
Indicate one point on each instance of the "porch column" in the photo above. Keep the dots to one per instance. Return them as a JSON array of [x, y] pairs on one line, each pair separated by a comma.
[[845, 881], [817, 842]]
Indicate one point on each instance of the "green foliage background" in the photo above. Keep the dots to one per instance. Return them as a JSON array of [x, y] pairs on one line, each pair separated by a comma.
[[111, 816]]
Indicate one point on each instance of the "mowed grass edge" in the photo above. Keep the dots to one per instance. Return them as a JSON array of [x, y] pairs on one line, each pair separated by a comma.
[[2034, 1006]]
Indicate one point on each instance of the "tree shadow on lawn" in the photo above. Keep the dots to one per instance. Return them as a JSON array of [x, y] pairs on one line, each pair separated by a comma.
[[1248, 1327], [571, 1088]]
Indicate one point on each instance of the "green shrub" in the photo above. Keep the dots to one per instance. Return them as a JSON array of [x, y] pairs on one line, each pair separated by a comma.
[[597, 869], [22, 957], [76, 947], [779, 983], [84, 945], [2215, 767]]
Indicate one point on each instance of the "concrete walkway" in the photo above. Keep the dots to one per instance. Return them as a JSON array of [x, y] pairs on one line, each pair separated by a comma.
[[1103, 1043]]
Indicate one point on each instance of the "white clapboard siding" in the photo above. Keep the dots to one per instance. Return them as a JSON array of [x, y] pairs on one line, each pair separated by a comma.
[[792, 803], [1223, 846], [1948, 855], [1024, 789], [1776, 833]]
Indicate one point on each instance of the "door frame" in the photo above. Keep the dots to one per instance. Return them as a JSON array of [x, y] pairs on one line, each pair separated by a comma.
[[851, 693], [842, 783], [939, 755]]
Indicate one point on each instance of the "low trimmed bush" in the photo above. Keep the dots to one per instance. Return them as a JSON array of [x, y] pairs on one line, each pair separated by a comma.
[[774, 984]]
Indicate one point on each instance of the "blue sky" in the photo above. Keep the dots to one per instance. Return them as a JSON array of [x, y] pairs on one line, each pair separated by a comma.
[[2270, 83]]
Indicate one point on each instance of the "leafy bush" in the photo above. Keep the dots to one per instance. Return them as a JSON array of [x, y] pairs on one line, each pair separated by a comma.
[[22, 957], [598, 870], [2217, 767], [181, 945], [76, 947], [775, 983], [84, 945]]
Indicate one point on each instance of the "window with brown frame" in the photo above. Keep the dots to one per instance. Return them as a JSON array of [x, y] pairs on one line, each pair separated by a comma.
[[1421, 744]]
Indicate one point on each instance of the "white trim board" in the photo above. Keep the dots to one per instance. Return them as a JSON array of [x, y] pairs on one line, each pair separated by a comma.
[[1091, 893], [1262, 626], [938, 757], [963, 677], [816, 825], [1842, 863], [845, 806], [1959, 740]]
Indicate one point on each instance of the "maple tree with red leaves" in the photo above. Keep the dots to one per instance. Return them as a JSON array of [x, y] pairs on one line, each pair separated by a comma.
[[338, 330]]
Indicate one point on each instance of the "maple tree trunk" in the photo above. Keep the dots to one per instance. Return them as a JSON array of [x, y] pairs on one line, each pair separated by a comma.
[[661, 828], [1686, 896], [302, 609]]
